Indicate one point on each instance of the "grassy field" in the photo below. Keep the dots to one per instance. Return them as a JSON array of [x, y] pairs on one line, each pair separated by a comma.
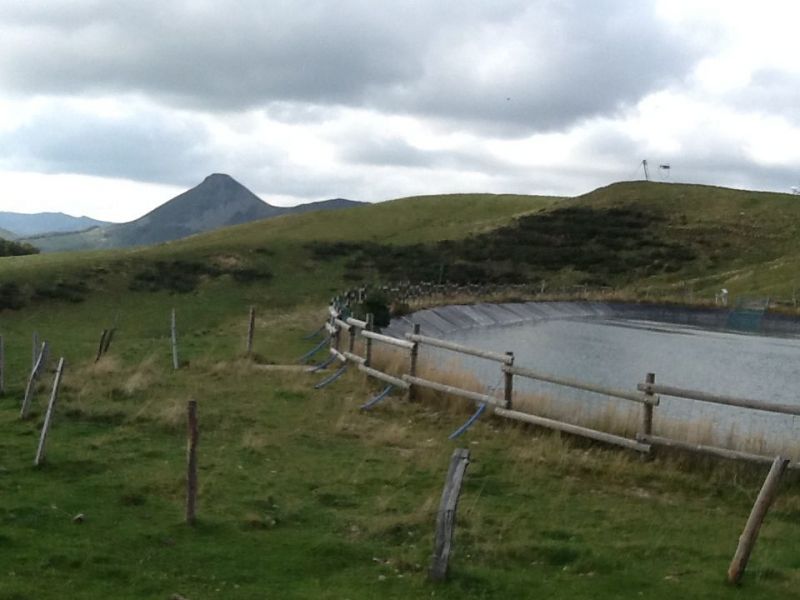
[[301, 494]]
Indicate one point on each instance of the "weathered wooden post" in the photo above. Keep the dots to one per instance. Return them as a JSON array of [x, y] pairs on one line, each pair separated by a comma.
[[48, 417], [251, 328], [34, 349], [37, 367], [508, 388], [351, 341], [368, 341], [191, 463], [748, 538], [109, 337], [101, 345], [2, 366], [446, 517], [175, 363], [647, 408], [412, 370], [337, 337]]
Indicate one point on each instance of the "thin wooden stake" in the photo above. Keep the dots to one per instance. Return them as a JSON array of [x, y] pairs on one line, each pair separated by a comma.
[[508, 389], [109, 337], [101, 345], [750, 534], [48, 418], [193, 435], [26, 400], [351, 339], [446, 517], [368, 341], [34, 349], [647, 408], [412, 370], [174, 332], [251, 327]]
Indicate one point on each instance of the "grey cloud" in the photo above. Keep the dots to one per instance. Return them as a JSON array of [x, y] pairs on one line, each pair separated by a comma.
[[396, 152], [557, 62], [146, 147], [771, 91]]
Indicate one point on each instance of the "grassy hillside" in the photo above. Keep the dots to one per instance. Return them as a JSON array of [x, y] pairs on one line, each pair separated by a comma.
[[746, 241], [301, 494]]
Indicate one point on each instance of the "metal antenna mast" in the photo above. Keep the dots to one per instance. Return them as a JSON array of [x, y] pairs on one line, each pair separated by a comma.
[[646, 174]]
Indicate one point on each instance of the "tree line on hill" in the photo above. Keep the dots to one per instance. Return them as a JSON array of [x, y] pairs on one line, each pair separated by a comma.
[[9, 248]]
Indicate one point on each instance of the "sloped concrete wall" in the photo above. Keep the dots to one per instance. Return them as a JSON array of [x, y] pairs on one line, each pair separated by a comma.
[[445, 320]]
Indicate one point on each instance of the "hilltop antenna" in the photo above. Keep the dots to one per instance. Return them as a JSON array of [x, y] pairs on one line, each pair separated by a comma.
[[644, 167], [665, 168]]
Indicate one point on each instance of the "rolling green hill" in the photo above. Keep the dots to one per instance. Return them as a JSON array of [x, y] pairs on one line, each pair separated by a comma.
[[302, 495]]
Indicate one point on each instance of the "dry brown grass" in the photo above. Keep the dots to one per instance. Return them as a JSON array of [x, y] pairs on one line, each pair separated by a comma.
[[621, 417]]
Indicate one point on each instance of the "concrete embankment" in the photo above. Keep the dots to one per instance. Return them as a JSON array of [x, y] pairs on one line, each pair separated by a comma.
[[445, 320]]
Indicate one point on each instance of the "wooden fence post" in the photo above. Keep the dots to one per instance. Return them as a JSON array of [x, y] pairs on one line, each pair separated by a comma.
[[446, 517], [191, 463], [412, 370], [647, 408], [175, 363], [26, 400], [351, 341], [101, 345], [251, 327], [748, 538], [2, 366], [508, 388], [34, 349], [109, 337], [337, 337], [48, 418], [368, 341]]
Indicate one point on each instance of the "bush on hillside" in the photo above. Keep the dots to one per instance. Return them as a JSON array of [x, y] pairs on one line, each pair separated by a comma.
[[9, 248], [622, 244], [11, 296]]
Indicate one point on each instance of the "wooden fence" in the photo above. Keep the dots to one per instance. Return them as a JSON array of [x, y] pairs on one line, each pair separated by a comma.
[[647, 394]]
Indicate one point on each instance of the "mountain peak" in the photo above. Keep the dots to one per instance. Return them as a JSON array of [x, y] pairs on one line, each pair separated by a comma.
[[218, 177]]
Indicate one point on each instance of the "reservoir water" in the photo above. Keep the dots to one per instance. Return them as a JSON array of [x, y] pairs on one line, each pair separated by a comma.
[[610, 348]]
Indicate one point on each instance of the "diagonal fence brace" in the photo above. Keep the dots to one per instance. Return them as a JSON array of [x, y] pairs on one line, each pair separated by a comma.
[[331, 378], [469, 423], [373, 401]]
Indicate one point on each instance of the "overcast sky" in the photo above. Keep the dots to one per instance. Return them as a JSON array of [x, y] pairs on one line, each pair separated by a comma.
[[111, 108]]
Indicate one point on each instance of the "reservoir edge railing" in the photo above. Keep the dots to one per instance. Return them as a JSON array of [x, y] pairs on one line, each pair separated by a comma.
[[647, 394]]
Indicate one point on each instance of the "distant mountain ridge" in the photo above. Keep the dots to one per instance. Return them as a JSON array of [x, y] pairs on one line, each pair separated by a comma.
[[21, 224], [218, 201]]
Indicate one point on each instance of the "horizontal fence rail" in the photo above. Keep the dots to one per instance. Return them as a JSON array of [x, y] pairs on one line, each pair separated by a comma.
[[359, 360], [487, 354], [656, 440], [340, 356], [387, 339], [343, 324], [395, 381], [600, 436], [450, 389], [665, 390], [580, 385]]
